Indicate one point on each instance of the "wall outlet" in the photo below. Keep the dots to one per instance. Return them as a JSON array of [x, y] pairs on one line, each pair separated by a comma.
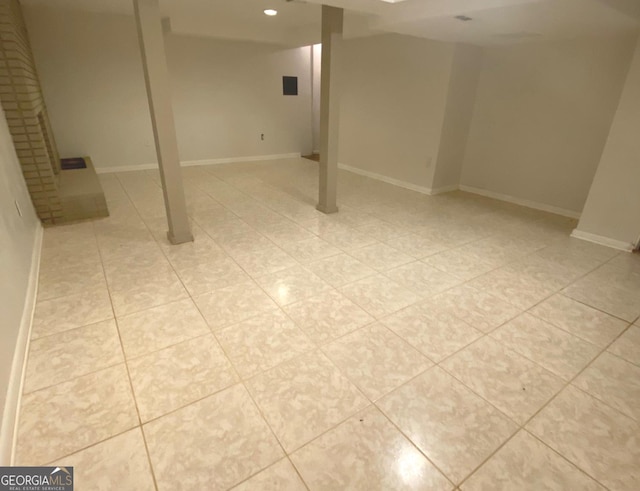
[[262, 136], [18, 207]]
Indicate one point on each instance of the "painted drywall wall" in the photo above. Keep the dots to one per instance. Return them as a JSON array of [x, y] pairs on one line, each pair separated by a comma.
[[17, 235], [316, 72], [392, 105], [225, 93], [91, 75], [612, 210], [461, 97], [541, 118]]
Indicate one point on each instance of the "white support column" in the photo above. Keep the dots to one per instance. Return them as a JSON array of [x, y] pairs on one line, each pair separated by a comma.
[[332, 20], [156, 75], [611, 214]]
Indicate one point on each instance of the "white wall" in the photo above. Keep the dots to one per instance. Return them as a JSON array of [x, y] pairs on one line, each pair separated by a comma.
[[91, 75], [612, 210], [542, 115], [17, 235], [393, 99], [461, 97], [225, 93], [316, 73]]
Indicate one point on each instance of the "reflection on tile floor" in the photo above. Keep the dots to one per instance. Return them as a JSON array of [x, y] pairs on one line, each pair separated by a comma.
[[406, 342]]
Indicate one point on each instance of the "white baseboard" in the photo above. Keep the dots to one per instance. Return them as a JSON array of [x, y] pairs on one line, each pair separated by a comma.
[[605, 241], [390, 180], [445, 189], [193, 163], [522, 202], [125, 168], [10, 417]]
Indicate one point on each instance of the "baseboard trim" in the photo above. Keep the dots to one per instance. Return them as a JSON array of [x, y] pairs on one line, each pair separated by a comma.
[[193, 163], [522, 202], [445, 189], [10, 417], [388, 180], [125, 168], [601, 240], [356, 170]]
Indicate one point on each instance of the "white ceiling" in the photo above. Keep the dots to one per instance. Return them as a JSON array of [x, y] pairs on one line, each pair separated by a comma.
[[298, 22]]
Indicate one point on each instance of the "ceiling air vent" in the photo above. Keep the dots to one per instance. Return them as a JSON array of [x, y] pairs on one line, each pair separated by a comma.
[[463, 18]]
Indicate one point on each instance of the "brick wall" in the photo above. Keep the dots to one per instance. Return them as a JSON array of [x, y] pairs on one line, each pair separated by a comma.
[[23, 104]]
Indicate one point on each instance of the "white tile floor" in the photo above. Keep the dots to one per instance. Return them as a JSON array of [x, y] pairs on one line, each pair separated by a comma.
[[406, 342]]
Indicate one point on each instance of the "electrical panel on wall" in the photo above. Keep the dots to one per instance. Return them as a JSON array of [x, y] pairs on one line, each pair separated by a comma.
[[289, 85]]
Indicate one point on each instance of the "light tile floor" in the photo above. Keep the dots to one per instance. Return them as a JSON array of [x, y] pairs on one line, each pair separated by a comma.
[[408, 341]]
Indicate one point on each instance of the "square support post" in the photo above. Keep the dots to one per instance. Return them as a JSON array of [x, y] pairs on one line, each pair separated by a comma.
[[332, 22], [156, 75]]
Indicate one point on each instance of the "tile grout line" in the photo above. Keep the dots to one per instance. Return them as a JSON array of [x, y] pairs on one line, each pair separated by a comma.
[[373, 403], [486, 334], [239, 379], [133, 394], [437, 364], [545, 405], [104, 368], [242, 381], [567, 383], [318, 347]]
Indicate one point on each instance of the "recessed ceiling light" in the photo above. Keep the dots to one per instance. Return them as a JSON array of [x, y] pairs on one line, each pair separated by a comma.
[[271, 12]]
